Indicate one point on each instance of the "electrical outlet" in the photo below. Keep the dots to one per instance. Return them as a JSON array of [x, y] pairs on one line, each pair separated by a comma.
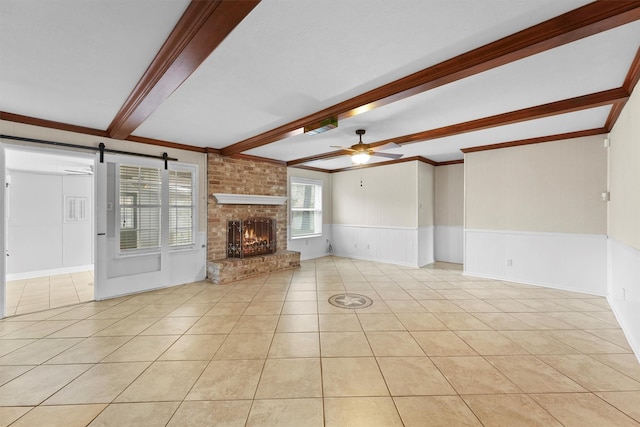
[[509, 263]]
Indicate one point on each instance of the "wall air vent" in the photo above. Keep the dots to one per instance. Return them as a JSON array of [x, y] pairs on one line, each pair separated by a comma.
[[321, 126]]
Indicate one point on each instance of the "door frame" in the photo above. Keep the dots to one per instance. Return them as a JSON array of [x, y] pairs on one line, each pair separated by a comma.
[[4, 213], [3, 233]]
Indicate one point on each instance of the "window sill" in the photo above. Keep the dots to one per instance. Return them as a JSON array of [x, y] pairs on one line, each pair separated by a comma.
[[306, 236]]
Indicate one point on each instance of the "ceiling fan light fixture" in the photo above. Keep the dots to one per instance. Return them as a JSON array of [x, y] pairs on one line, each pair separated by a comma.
[[360, 158]]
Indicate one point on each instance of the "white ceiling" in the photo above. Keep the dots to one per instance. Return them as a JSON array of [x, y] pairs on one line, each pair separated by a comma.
[[77, 61]]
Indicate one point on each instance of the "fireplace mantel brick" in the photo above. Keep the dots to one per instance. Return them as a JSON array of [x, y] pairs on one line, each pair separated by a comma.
[[245, 176]]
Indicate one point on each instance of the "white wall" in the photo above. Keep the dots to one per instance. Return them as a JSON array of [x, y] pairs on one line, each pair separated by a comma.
[[449, 213], [624, 220], [534, 214], [40, 241], [384, 213]]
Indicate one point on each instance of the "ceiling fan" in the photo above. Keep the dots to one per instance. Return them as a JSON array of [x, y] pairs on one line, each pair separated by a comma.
[[361, 152]]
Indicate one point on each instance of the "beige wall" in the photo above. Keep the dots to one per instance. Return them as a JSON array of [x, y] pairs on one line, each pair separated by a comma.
[[624, 175], [380, 196], [449, 195], [326, 188], [426, 184], [548, 187], [35, 132]]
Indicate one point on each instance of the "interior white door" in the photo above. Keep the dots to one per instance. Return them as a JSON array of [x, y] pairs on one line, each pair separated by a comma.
[[3, 234]]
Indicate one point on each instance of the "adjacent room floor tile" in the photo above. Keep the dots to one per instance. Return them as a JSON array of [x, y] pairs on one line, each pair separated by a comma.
[[231, 413], [286, 413], [163, 381], [39, 383], [227, 379], [580, 409], [509, 409], [100, 384], [413, 376], [436, 411], [301, 344], [473, 375], [136, 414], [361, 412], [63, 415], [357, 376], [290, 378]]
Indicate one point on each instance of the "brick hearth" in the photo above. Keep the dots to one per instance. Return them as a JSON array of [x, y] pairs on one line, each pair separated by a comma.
[[245, 176], [230, 269]]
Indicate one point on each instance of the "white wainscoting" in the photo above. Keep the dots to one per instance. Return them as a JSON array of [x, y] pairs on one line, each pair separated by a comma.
[[449, 243], [394, 245], [624, 290], [574, 262], [425, 246], [312, 247]]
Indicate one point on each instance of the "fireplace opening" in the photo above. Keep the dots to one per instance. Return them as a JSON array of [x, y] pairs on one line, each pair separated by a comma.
[[251, 237]]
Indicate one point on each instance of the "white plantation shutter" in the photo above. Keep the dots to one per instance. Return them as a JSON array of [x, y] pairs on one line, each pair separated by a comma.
[[180, 208], [140, 207]]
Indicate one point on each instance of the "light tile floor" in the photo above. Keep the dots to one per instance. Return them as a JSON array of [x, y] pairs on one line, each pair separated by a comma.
[[436, 348], [41, 293]]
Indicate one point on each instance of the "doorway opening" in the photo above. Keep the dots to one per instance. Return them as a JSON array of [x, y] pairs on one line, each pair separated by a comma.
[[49, 223]]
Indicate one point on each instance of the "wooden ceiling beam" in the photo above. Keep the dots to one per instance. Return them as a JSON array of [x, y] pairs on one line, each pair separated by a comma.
[[391, 162], [538, 140], [34, 121], [630, 82], [585, 21], [608, 97], [585, 102], [49, 124], [202, 27]]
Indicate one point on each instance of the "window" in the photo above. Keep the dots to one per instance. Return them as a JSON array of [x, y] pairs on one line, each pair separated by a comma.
[[140, 207], [306, 208], [180, 207]]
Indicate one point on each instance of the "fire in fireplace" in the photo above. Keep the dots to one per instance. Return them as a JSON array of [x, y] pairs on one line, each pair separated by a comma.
[[251, 237]]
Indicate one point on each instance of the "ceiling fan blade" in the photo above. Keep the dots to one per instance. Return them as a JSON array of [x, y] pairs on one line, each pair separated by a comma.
[[389, 155], [387, 146], [342, 148]]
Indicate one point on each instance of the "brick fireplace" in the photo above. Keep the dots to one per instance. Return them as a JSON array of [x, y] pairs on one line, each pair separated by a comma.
[[245, 176]]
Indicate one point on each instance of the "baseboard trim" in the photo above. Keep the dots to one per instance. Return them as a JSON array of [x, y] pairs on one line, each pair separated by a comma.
[[50, 272]]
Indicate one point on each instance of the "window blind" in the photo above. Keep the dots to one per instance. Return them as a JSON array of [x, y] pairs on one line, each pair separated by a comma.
[[180, 208], [140, 207]]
